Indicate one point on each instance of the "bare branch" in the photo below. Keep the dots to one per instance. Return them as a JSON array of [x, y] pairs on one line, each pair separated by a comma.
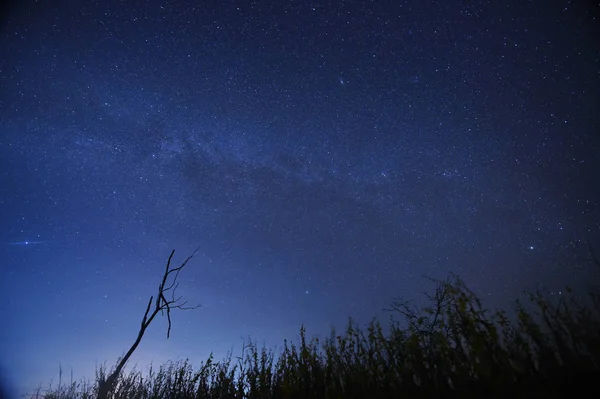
[[593, 254], [161, 304], [147, 310], [169, 319]]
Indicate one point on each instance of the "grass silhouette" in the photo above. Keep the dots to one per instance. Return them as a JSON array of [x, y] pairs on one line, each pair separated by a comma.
[[452, 348]]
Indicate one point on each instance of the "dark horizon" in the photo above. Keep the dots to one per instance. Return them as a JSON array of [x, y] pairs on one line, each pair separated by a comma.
[[324, 157]]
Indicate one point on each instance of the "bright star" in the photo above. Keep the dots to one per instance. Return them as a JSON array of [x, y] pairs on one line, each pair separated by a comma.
[[26, 242]]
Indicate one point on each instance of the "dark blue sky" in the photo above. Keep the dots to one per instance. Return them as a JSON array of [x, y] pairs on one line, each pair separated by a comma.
[[324, 157]]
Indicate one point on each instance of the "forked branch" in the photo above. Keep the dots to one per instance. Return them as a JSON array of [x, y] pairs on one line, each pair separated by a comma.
[[161, 304]]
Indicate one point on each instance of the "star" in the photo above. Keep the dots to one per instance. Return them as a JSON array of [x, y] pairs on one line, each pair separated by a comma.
[[26, 243]]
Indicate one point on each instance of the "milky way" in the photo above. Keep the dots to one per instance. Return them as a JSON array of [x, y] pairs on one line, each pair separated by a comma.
[[323, 156]]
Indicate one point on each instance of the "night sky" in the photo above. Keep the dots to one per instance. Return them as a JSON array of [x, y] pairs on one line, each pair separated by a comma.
[[324, 156]]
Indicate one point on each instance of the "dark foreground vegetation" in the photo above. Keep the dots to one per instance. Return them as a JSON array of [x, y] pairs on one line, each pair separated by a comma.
[[453, 348], [548, 347]]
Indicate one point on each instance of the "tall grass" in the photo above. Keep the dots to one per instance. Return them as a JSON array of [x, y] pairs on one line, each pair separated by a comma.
[[548, 348]]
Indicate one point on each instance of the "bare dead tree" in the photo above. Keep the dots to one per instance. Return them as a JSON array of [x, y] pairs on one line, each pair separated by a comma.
[[594, 258], [161, 304]]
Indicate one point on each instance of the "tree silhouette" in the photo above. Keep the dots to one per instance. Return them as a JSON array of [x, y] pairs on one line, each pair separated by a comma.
[[161, 304]]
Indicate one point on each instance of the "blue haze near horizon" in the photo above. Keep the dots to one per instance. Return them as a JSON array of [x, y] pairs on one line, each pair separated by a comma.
[[323, 156]]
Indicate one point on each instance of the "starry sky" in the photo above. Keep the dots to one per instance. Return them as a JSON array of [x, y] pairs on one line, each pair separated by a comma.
[[324, 156]]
